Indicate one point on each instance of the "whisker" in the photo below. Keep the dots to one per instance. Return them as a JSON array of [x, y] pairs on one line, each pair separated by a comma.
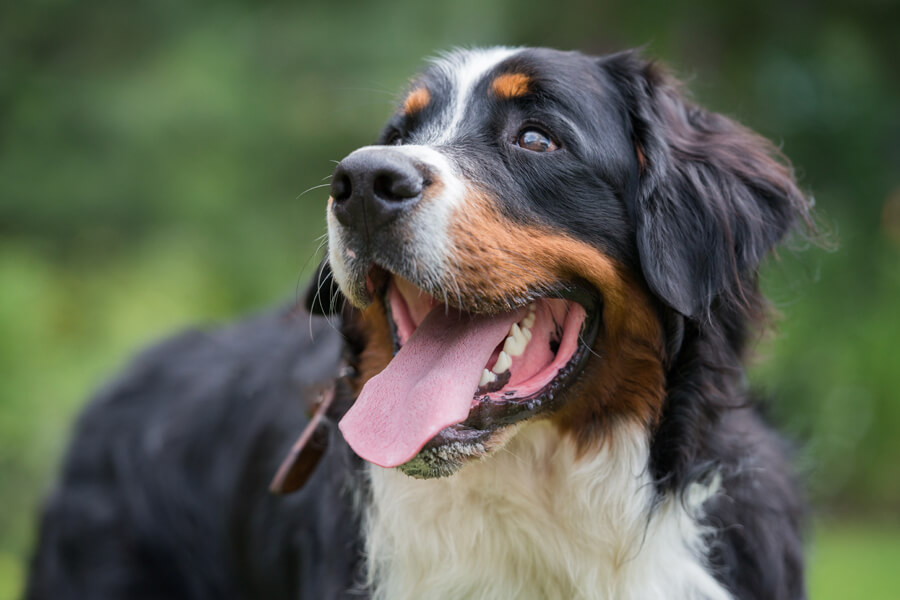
[[315, 187], [586, 345], [322, 240]]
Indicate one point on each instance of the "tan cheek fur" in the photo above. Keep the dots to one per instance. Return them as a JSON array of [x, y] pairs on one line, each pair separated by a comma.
[[498, 258], [379, 348]]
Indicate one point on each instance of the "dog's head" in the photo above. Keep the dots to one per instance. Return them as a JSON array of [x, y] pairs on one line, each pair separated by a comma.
[[530, 238]]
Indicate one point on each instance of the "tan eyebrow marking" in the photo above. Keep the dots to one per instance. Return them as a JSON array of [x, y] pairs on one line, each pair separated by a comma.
[[511, 85], [417, 100]]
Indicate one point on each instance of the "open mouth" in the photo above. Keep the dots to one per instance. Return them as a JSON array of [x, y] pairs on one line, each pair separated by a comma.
[[457, 378], [541, 340]]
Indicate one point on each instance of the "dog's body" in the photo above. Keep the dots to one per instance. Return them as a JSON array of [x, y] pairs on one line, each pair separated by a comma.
[[572, 226], [163, 492]]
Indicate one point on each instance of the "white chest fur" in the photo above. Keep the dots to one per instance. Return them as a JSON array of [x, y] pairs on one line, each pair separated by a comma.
[[532, 521]]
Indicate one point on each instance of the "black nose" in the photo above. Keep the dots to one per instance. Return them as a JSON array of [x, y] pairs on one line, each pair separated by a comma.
[[373, 187]]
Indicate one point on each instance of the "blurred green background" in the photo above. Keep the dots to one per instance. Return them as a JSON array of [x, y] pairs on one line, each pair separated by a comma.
[[154, 155]]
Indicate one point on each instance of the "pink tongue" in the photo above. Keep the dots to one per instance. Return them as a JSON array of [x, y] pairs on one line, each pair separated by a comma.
[[428, 386]]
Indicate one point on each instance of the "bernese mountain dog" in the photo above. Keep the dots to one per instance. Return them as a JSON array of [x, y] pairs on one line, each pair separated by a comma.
[[523, 356]]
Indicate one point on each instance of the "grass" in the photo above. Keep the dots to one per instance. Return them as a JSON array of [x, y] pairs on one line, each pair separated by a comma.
[[855, 560]]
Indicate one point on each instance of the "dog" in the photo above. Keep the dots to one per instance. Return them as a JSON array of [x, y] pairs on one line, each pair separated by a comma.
[[526, 371]]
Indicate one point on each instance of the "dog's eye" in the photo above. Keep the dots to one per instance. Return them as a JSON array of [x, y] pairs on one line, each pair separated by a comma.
[[394, 139], [536, 141]]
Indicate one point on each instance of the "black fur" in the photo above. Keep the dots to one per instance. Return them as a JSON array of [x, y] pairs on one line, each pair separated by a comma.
[[714, 199], [165, 480], [164, 490]]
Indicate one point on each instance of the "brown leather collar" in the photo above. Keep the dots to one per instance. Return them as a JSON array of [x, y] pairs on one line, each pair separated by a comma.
[[308, 450]]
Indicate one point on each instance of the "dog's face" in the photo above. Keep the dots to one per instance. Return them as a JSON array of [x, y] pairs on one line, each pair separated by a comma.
[[527, 240]]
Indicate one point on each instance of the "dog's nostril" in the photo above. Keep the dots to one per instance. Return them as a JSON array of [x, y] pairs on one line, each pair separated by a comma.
[[341, 188], [397, 186], [372, 188]]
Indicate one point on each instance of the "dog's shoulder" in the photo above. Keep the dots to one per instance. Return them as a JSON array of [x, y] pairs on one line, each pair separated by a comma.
[[168, 469], [759, 516]]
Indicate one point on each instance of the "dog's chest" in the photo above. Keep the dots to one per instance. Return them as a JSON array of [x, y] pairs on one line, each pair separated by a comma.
[[532, 521]]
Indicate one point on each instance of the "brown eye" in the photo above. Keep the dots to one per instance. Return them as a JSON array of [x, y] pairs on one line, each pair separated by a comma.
[[536, 141], [394, 139]]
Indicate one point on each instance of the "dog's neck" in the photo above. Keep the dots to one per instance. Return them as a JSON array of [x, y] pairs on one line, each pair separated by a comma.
[[535, 521]]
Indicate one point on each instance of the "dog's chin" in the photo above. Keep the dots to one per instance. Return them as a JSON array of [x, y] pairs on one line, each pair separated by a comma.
[[455, 447], [526, 376]]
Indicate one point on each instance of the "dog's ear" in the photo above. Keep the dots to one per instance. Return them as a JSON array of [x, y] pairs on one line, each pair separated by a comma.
[[323, 296], [713, 196]]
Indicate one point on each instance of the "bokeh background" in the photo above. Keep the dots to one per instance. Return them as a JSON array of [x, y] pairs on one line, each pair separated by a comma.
[[154, 156]]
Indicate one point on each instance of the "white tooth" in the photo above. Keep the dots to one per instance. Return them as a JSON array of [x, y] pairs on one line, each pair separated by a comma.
[[486, 378], [503, 363], [516, 342], [528, 321], [514, 345], [522, 337]]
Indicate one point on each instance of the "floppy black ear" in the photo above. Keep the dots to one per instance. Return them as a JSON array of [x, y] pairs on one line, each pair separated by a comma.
[[713, 197], [323, 296]]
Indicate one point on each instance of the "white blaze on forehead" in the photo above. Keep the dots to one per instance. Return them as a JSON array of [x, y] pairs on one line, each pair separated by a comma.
[[430, 249], [464, 69], [430, 228]]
